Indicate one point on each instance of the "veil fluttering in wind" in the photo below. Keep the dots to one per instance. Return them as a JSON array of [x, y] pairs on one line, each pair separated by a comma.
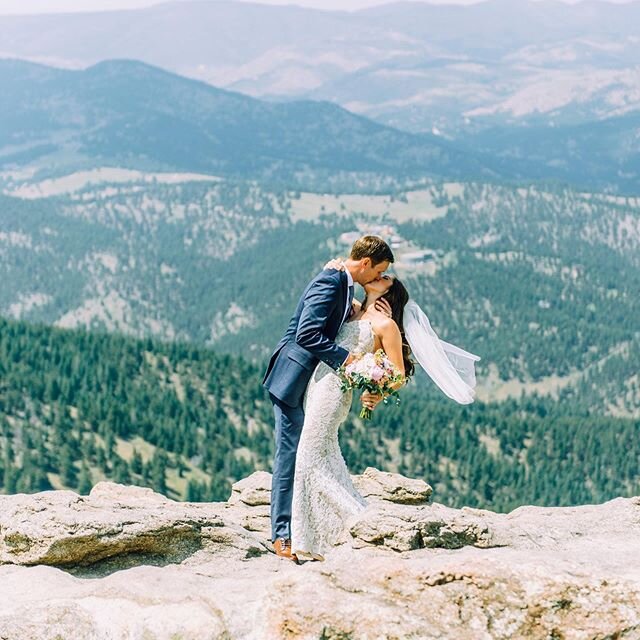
[[449, 366]]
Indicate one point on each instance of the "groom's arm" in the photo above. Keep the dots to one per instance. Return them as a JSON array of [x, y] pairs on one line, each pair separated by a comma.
[[320, 301]]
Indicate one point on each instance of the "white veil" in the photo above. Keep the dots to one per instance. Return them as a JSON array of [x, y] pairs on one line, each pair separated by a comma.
[[450, 367]]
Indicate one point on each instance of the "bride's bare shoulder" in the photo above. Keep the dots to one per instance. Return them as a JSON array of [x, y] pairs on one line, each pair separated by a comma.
[[382, 324]]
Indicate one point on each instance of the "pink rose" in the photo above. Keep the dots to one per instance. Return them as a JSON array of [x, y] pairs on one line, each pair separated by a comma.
[[377, 374]]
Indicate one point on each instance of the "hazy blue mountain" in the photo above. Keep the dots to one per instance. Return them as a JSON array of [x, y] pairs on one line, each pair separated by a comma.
[[599, 154], [409, 64], [495, 27], [129, 114]]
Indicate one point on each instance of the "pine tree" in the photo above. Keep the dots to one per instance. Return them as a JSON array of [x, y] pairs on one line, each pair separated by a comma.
[[85, 483], [101, 460], [136, 462], [40, 480], [68, 472], [10, 477], [159, 471], [121, 473], [195, 491]]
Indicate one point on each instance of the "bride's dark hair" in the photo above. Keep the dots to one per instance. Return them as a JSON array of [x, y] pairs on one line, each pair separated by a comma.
[[398, 296]]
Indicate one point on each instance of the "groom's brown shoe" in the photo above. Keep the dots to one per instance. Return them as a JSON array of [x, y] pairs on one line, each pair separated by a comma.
[[282, 547]]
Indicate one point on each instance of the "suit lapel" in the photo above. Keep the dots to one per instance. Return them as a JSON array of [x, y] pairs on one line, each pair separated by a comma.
[[345, 291]]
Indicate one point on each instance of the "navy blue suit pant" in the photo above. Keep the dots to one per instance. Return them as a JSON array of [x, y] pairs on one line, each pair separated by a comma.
[[289, 421]]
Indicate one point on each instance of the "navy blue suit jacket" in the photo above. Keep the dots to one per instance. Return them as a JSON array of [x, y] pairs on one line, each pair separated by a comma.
[[309, 338]]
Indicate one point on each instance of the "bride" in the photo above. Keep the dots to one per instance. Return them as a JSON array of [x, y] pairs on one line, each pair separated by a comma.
[[324, 497]]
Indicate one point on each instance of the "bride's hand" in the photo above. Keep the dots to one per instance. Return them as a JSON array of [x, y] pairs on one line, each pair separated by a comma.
[[336, 263], [383, 306], [370, 400]]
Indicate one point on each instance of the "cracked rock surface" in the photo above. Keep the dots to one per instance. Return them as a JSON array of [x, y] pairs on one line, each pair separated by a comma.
[[127, 563]]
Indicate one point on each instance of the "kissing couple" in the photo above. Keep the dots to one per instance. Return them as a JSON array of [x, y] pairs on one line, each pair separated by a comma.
[[312, 495]]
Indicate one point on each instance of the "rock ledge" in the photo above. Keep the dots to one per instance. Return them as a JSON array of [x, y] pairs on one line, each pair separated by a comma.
[[127, 563]]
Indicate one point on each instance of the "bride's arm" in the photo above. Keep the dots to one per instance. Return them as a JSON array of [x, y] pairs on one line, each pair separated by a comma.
[[391, 340], [392, 345]]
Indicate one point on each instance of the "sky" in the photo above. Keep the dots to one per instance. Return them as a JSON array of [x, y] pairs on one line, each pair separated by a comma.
[[48, 6]]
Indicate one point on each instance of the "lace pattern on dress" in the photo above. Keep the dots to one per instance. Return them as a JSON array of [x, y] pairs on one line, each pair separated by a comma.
[[324, 498]]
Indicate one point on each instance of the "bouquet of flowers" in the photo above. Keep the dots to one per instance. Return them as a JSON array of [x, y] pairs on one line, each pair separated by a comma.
[[373, 372]]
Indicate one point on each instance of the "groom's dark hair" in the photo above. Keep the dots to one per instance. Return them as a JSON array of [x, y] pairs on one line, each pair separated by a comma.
[[371, 247]]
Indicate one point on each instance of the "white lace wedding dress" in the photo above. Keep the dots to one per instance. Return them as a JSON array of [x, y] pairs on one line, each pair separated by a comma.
[[324, 498]]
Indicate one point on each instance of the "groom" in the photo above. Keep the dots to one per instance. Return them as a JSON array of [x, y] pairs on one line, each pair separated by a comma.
[[324, 306]]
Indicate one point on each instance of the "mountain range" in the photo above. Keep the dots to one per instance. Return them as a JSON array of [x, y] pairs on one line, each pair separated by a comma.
[[124, 113], [140, 201], [413, 65]]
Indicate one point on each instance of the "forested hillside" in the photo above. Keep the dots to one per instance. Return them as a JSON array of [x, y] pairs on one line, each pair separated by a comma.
[[541, 281], [77, 407], [80, 406]]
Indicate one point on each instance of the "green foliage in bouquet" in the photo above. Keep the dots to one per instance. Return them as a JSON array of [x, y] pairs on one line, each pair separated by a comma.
[[375, 373]]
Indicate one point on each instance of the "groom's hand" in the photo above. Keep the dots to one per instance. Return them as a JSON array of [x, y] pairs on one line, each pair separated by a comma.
[[371, 400], [336, 263]]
